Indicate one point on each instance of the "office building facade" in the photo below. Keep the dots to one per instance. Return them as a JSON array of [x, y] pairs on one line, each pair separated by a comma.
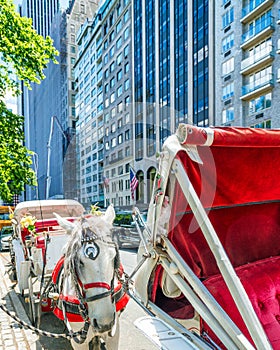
[[103, 106], [173, 78]]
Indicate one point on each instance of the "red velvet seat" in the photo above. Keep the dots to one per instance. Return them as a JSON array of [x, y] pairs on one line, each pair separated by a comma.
[[261, 281]]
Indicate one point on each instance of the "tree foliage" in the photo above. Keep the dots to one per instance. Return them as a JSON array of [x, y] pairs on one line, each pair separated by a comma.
[[24, 54]]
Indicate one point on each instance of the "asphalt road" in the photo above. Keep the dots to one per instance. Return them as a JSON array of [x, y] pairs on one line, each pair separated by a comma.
[[130, 336]]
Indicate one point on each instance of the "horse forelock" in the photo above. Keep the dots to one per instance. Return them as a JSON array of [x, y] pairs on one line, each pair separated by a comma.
[[94, 227]]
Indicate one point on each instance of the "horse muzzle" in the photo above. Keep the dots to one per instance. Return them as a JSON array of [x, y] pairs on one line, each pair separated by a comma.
[[99, 327]]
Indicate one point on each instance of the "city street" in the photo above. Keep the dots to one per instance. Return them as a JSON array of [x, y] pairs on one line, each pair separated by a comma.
[[130, 337]]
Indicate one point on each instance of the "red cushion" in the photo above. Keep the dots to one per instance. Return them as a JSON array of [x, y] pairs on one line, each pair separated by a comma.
[[261, 281]]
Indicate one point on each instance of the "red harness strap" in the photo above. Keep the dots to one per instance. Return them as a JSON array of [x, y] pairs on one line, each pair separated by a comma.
[[96, 285], [71, 304]]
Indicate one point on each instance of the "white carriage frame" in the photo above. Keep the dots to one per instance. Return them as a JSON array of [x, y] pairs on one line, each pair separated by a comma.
[[176, 268]]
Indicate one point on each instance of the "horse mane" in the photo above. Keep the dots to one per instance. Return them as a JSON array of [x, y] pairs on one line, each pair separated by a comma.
[[96, 227]]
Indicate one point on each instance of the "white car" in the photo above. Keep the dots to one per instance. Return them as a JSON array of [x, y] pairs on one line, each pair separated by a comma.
[[5, 236]]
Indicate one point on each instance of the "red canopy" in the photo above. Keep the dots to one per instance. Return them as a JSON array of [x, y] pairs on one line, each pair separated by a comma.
[[241, 166], [238, 185]]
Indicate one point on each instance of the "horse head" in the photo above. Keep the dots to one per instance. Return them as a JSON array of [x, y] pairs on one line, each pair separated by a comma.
[[90, 267]]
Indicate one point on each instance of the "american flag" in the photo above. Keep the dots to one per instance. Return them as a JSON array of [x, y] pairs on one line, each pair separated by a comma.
[[133, 182]]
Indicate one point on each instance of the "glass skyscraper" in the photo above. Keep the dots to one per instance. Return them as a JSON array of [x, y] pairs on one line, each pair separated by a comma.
[[171, 75]]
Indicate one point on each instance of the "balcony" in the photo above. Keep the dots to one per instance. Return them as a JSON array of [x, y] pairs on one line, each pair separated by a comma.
[[257, 87], [254, 9], [258, 60], [257, 32]]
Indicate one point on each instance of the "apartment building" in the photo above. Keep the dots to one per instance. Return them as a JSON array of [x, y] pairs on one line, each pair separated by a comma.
[[103, 106], [247, 63]]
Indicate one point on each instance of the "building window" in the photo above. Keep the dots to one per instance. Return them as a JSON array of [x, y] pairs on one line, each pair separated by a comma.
[[266, 124], [120, 170], [127, 153], [112, 51], [228, 18], [127, 118], [119, 75], [119, 123], [120, 139], [113, 127], [126, 67], [228, 66], [73, 49], [260, 103], [106, 59], [120, 107], [82, 8], [127, 135], [227, 43], [126, 101], [113, 112], [112, 67], [111, 36], [125, 16], [112, 82], [119, 91], [126, 85], [228, 91], [119, 9], [228, 115], [113, 142], [119, 43], [119, 59], [112, 97], [126, 51], [118, 26], [126, 33]]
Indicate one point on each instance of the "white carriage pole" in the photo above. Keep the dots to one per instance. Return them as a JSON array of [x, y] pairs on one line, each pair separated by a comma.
[[235, 287], [204, 296]]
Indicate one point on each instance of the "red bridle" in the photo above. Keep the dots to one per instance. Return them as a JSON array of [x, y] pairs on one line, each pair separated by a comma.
[[96, 285]]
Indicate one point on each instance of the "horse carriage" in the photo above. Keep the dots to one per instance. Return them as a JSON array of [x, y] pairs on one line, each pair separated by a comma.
[[66, 262], [208, 268], [37, 245]]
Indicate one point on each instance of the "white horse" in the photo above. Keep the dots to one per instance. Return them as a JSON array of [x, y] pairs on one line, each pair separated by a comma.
[[90, 275]]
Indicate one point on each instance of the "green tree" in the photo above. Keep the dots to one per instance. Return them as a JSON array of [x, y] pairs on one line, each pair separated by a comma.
[[24, 54]]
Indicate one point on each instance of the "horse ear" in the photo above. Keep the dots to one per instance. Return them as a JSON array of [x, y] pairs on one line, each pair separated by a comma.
[[109, 216], [67, 225]]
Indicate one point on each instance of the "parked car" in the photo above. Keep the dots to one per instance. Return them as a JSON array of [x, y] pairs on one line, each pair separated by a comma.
[[5, 236], [124, 231]]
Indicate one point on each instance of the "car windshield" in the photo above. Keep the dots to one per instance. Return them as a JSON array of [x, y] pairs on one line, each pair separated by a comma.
[[6, 231]]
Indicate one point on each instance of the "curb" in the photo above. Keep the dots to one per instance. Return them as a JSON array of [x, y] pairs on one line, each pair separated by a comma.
[[30, 338]]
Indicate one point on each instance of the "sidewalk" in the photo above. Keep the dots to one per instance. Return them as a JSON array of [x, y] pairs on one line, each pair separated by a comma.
[[12, 336]]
